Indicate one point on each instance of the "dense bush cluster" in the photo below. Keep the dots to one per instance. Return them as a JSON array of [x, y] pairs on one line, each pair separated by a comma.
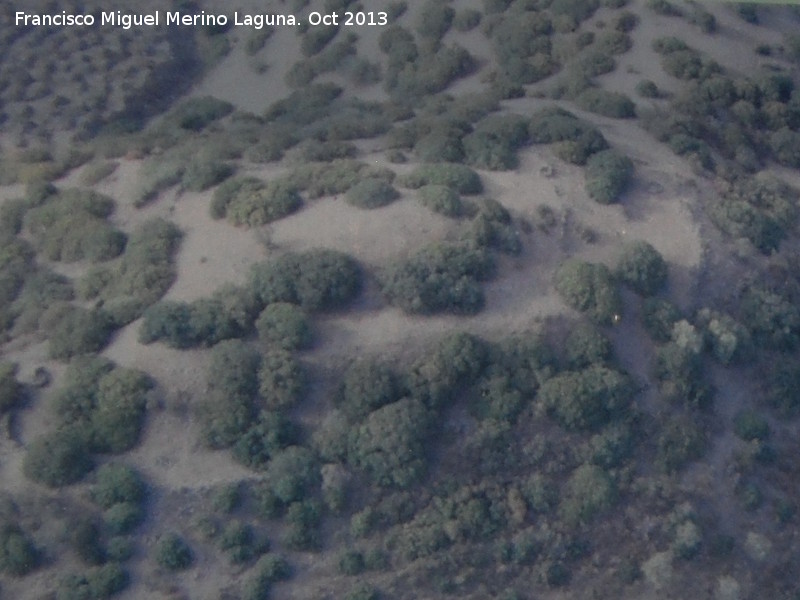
[[608, 174], [71, 225], [11, 391], [104, 403], [586, 399], [73, 330], [590, 288], [142, 275], [250, 201], [121, 493], [523, 48], [371, 193], [761, 209], [574, 140], [439, 278], [228, 313], [441, 199], [642, 268], [459, 177], [315, 280], [608, 104], [335, 177]]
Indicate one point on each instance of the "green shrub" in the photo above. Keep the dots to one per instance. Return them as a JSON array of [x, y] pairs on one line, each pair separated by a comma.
[[434, 20], [576, 9], [122, 518], [589, 491], [229, 408], [773, 319], [117, 483], [315, 279], [229, 313], [658, 318], [201, 175], [389, 444], [785, 147], [608, 175], [439, 278], [252, 202], [268, 570], [351, 562], [84, 538], [366, 386], [257, 442], [608, 104], [71, 226], [57, 459], [612, 446], [303, 519], [284, 325], [105, 403], [679, 442], [783, 387], [729, 340], [642, 268], [77, 331], [760, 209], [586, 399], [316, 38], [18, 555], [11, 391], [614, 42], [662, 7], [589, 288], [748, 425], [441, 199], [575, 141], [459, 177], [293, 474], [239, 541], [195, 114], [281, 378], [142, 276], [273, 568], [467, 19], [586, 345], [98, 584], [647, 89], [335, 177], [173, 553], [748, 12], [371, 193]]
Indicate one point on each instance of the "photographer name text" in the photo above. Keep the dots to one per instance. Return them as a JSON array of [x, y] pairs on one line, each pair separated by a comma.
[[201, 19]]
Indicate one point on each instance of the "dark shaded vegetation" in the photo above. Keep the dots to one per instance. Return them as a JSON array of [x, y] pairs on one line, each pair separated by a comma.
[[590, 288], [642, 268], [439, 278], [252, 202], [371, 193], [70, 225], [459, 177], [143, 274], [608, 174], [573, 140]]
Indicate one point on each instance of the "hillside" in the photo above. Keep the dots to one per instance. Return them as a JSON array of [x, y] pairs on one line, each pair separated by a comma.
[[498, 299]]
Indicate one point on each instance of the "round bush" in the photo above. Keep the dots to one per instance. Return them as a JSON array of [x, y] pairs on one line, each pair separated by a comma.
[[173, 553], [58, 459], [642, 268], [608, 174], [371, 193]]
